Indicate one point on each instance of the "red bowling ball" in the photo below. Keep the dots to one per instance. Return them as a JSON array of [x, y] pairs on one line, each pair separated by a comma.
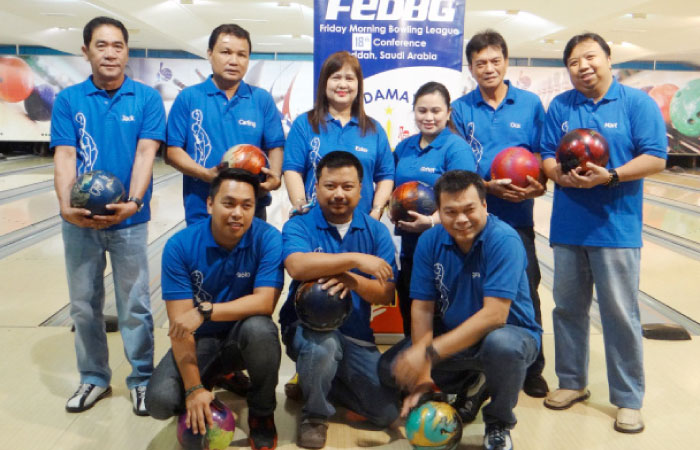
[[580, 146], [662, 95], [245, 156], [16, 79], [515, 163]]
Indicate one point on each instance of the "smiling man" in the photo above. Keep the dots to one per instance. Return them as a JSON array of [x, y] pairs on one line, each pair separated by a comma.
[[472, 268], [108, 122], [209, 118], [221, 280]]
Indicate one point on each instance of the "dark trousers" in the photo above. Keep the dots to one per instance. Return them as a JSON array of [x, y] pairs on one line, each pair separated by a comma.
[[252, 344], [403, 288]]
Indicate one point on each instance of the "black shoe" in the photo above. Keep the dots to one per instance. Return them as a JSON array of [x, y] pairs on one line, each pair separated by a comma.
[[292, 389], [536, 386], [263, 433], [236, 382], [469, 403]]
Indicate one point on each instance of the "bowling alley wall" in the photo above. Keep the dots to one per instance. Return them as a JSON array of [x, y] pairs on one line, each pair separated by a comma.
[[29, 84]]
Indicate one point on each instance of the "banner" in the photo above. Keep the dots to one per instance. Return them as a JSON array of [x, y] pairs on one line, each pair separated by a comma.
[[401, 44]]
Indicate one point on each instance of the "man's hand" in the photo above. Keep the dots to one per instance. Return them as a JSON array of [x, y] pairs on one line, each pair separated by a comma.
[[376, 213], [593, 176], [185, 324], [420, 224], [198, 411], [505, 189], [271, 183], [339, 283], [412, 368], [122, 211], [80, 217], [374, 266], [414, 397]]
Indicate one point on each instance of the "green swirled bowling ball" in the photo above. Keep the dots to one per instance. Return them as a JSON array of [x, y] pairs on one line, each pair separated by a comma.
[[434, 426], [95, 190], [685, 109]]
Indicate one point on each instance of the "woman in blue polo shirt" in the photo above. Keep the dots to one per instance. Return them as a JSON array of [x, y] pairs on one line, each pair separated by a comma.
[[424, 157], [338, 122]]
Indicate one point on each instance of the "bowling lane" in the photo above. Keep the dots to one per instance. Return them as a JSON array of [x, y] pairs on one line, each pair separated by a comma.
[[665, 274], [24, 162], [680, 180], [679, 194], [673, 221], [34, 280]]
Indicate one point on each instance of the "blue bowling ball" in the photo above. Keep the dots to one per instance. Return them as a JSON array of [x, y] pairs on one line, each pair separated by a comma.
[[95, 190], [320, 311]]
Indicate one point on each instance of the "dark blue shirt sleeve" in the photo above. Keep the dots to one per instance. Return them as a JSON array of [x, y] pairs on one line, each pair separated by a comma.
[[460, 157], [62, 129], [504, 262], [153, 126], [273, 134], [295, 149], [178, 121], [175, 278], [537, 127], [458, 118], [551, 131], [422, 276], [648, 127], [270, 271], [295, 237]]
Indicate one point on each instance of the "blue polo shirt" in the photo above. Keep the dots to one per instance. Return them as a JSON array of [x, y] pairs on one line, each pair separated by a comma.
[[458, 282], [516, 122], [304, 149], [205, 123], [632, 124], [195, 267], [311, 232], [447, 152], [105, 131]]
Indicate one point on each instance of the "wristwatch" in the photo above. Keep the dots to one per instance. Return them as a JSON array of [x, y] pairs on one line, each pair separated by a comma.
[[205, 309], [138, 201], [614, 179]]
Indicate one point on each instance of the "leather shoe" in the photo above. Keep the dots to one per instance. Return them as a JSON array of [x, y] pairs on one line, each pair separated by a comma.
[[629, 421], [565, 398], [312, 433], [536, 386]]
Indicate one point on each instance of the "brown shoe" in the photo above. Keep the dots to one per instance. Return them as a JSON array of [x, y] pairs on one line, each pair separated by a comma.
[[565, 398], [312, 433], [629, 421], [292, 389]]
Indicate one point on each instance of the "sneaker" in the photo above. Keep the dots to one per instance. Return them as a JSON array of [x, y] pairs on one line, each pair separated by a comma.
[[497, 437], [263, 433], [292, 389], [535, 386], [469, 403], [138, 400], [312, 433], [236, 382], [629, 421], [86, 396]]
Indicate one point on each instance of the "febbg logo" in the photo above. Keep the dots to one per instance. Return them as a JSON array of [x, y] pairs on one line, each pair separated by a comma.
[[405, 10]]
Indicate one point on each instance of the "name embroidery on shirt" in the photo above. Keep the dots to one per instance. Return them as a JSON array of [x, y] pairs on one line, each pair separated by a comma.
[[242, 274], [427, 169], [476, 275], [515, 125], [360, 149], [610, 125], [129, 118], [248, 123]]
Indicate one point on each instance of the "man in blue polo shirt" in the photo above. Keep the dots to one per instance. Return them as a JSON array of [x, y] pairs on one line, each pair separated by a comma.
[[221, 280], [596, 229], [494, 116], [209, 118], [350, 252], [108, 122], [469, 281]]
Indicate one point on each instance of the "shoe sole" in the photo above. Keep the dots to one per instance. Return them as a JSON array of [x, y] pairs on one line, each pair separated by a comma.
[[627, 430], [578, 399], [143, 414], [253, 447], [78, 409]]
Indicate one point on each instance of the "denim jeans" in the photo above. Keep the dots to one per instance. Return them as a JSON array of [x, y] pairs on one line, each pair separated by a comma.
[[252, 344], [85, 255], [615, 274], [332, 367], [527, 235], [503, 355]]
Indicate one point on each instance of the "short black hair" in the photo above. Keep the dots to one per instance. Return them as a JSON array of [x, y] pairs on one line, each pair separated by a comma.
[[230, 28], [97, 22], [483, 39], [457, 181], [338, 159], [574, 41], [430, 88], [234, 174]]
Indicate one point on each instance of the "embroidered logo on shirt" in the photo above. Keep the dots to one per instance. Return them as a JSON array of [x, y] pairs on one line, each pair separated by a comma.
[[565, 127], [515, 125], [200, 295], [248, 123], [202, 144], [427, 169], [476, 275], [444, 301], [88, 146], [242, 274], [126, 118], [610, 125], [474, 143], [360, 149]]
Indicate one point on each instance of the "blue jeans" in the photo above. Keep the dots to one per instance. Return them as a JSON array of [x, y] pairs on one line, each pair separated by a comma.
[[252, 343], [85, 253], [503, 355], [332, 367], [615, 274]]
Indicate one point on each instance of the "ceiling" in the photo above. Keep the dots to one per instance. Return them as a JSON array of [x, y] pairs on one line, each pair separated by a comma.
[[662, 30]]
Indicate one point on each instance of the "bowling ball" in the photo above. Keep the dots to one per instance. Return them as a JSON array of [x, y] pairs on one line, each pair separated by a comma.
[[662, 95], [411, 196], [245, 156], [318, 310], [580, 146], [95, 190], [515, 163], [16, 79], [218, 437], [685, 109], [434, 425], [40, 103]]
